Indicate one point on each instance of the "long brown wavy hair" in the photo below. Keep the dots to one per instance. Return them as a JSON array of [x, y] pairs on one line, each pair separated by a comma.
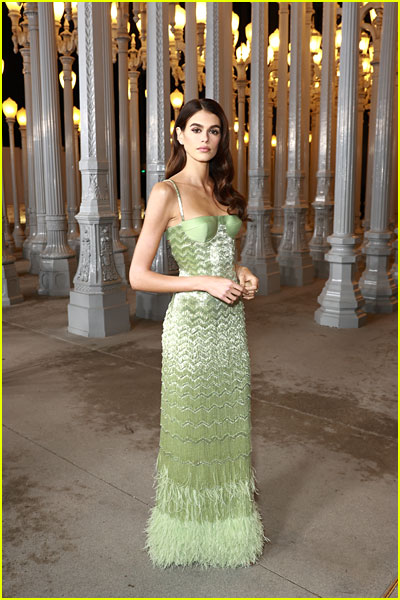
[[220, 167]]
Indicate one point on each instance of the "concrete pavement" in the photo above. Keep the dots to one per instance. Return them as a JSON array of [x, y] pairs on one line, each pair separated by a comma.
[[80, 439]]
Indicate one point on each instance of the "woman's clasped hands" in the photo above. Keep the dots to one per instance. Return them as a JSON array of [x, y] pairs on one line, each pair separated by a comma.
[[229, 291]]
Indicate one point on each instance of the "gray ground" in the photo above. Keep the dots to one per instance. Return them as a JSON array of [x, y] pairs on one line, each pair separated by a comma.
[[81, 427]]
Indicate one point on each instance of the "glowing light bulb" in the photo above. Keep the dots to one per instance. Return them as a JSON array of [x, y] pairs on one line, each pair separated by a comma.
[[12, 6], [338, 38], [201, 12], [317, 57], [21, 117], [176, 98], [249, 32], [114, 13], [242, 53], [58, 8], [180, 17], [10, 108], [73, 79], [274, 39], [235, 22], [76, 115]]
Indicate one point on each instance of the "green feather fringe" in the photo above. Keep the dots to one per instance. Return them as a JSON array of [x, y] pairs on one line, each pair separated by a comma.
[[213, 527]]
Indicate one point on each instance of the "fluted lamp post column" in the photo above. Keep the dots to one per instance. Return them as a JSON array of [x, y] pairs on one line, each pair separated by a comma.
[[97, 306], [243, 59], [66, 42], [191, 89], [21, 119], [293, 255], [219, 56], [376, 282], [121, 257], [151, 305], [38, 243], [58, 260], [323, 202], [76, 116], [375, 29], [11, 293], [30, 208], [21, 43], [281, 124], [6, 226], [10, 110], [258, 253], [341, 301], [127, 234], [305, 108], [135, 61]]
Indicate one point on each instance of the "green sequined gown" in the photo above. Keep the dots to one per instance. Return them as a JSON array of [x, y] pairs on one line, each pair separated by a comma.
[[205, 511]]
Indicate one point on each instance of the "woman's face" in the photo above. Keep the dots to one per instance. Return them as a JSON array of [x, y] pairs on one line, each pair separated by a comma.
[[201, 136]]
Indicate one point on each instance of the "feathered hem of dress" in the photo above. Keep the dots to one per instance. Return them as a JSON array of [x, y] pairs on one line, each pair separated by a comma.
[[232, 541]]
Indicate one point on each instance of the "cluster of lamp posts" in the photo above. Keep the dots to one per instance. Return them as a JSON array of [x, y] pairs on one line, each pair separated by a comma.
[[280, 243]]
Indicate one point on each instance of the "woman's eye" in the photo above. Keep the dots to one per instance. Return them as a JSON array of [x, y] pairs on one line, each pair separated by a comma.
[[196, 130], [215, 131]]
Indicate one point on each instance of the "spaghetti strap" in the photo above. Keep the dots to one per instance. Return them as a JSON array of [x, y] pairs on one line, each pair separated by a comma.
[[179, 197]]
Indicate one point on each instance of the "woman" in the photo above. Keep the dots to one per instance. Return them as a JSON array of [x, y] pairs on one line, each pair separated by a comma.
[[205, 511]]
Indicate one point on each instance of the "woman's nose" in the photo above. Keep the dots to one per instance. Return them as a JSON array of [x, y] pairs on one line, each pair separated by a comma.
[[204, 137]]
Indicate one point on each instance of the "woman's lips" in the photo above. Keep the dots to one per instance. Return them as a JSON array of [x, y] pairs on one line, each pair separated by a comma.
[[203, 149]]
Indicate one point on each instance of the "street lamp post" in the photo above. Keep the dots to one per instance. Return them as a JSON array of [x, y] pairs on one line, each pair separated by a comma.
[[66, 44], [241, 62], [10, 110], [134, 62], [127, 234], [21, 118]]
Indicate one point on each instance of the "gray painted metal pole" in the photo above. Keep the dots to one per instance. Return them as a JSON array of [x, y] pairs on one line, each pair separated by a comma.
[[281, 125], [30, 208], [151, 305], [39, 240], [375, 30], [293, 255], [135, 149], [121, 257], [127, 234], [323, 202], [258, 254], [98, 306], [341, 301], [22, 130], [191, 89], [57, 261], [18, 233], [70, 160], [376, 283], [11, 293]]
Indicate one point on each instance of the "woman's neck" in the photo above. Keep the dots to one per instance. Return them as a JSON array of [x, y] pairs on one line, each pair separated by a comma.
[[196, 173]]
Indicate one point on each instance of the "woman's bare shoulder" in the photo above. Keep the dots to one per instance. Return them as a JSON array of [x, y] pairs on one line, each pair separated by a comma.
[[162, 193]]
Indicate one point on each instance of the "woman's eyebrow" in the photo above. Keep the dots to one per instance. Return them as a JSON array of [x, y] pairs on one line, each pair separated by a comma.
[[198, 125]]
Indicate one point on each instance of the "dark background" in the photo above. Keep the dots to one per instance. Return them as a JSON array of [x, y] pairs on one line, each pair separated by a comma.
[[13, 80]]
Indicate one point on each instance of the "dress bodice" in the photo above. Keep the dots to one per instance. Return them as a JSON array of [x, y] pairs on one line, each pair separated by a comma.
[[205, 245]]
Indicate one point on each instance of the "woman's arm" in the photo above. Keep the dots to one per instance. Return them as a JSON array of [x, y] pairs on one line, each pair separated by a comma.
[[160, 210], [248, 280]]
